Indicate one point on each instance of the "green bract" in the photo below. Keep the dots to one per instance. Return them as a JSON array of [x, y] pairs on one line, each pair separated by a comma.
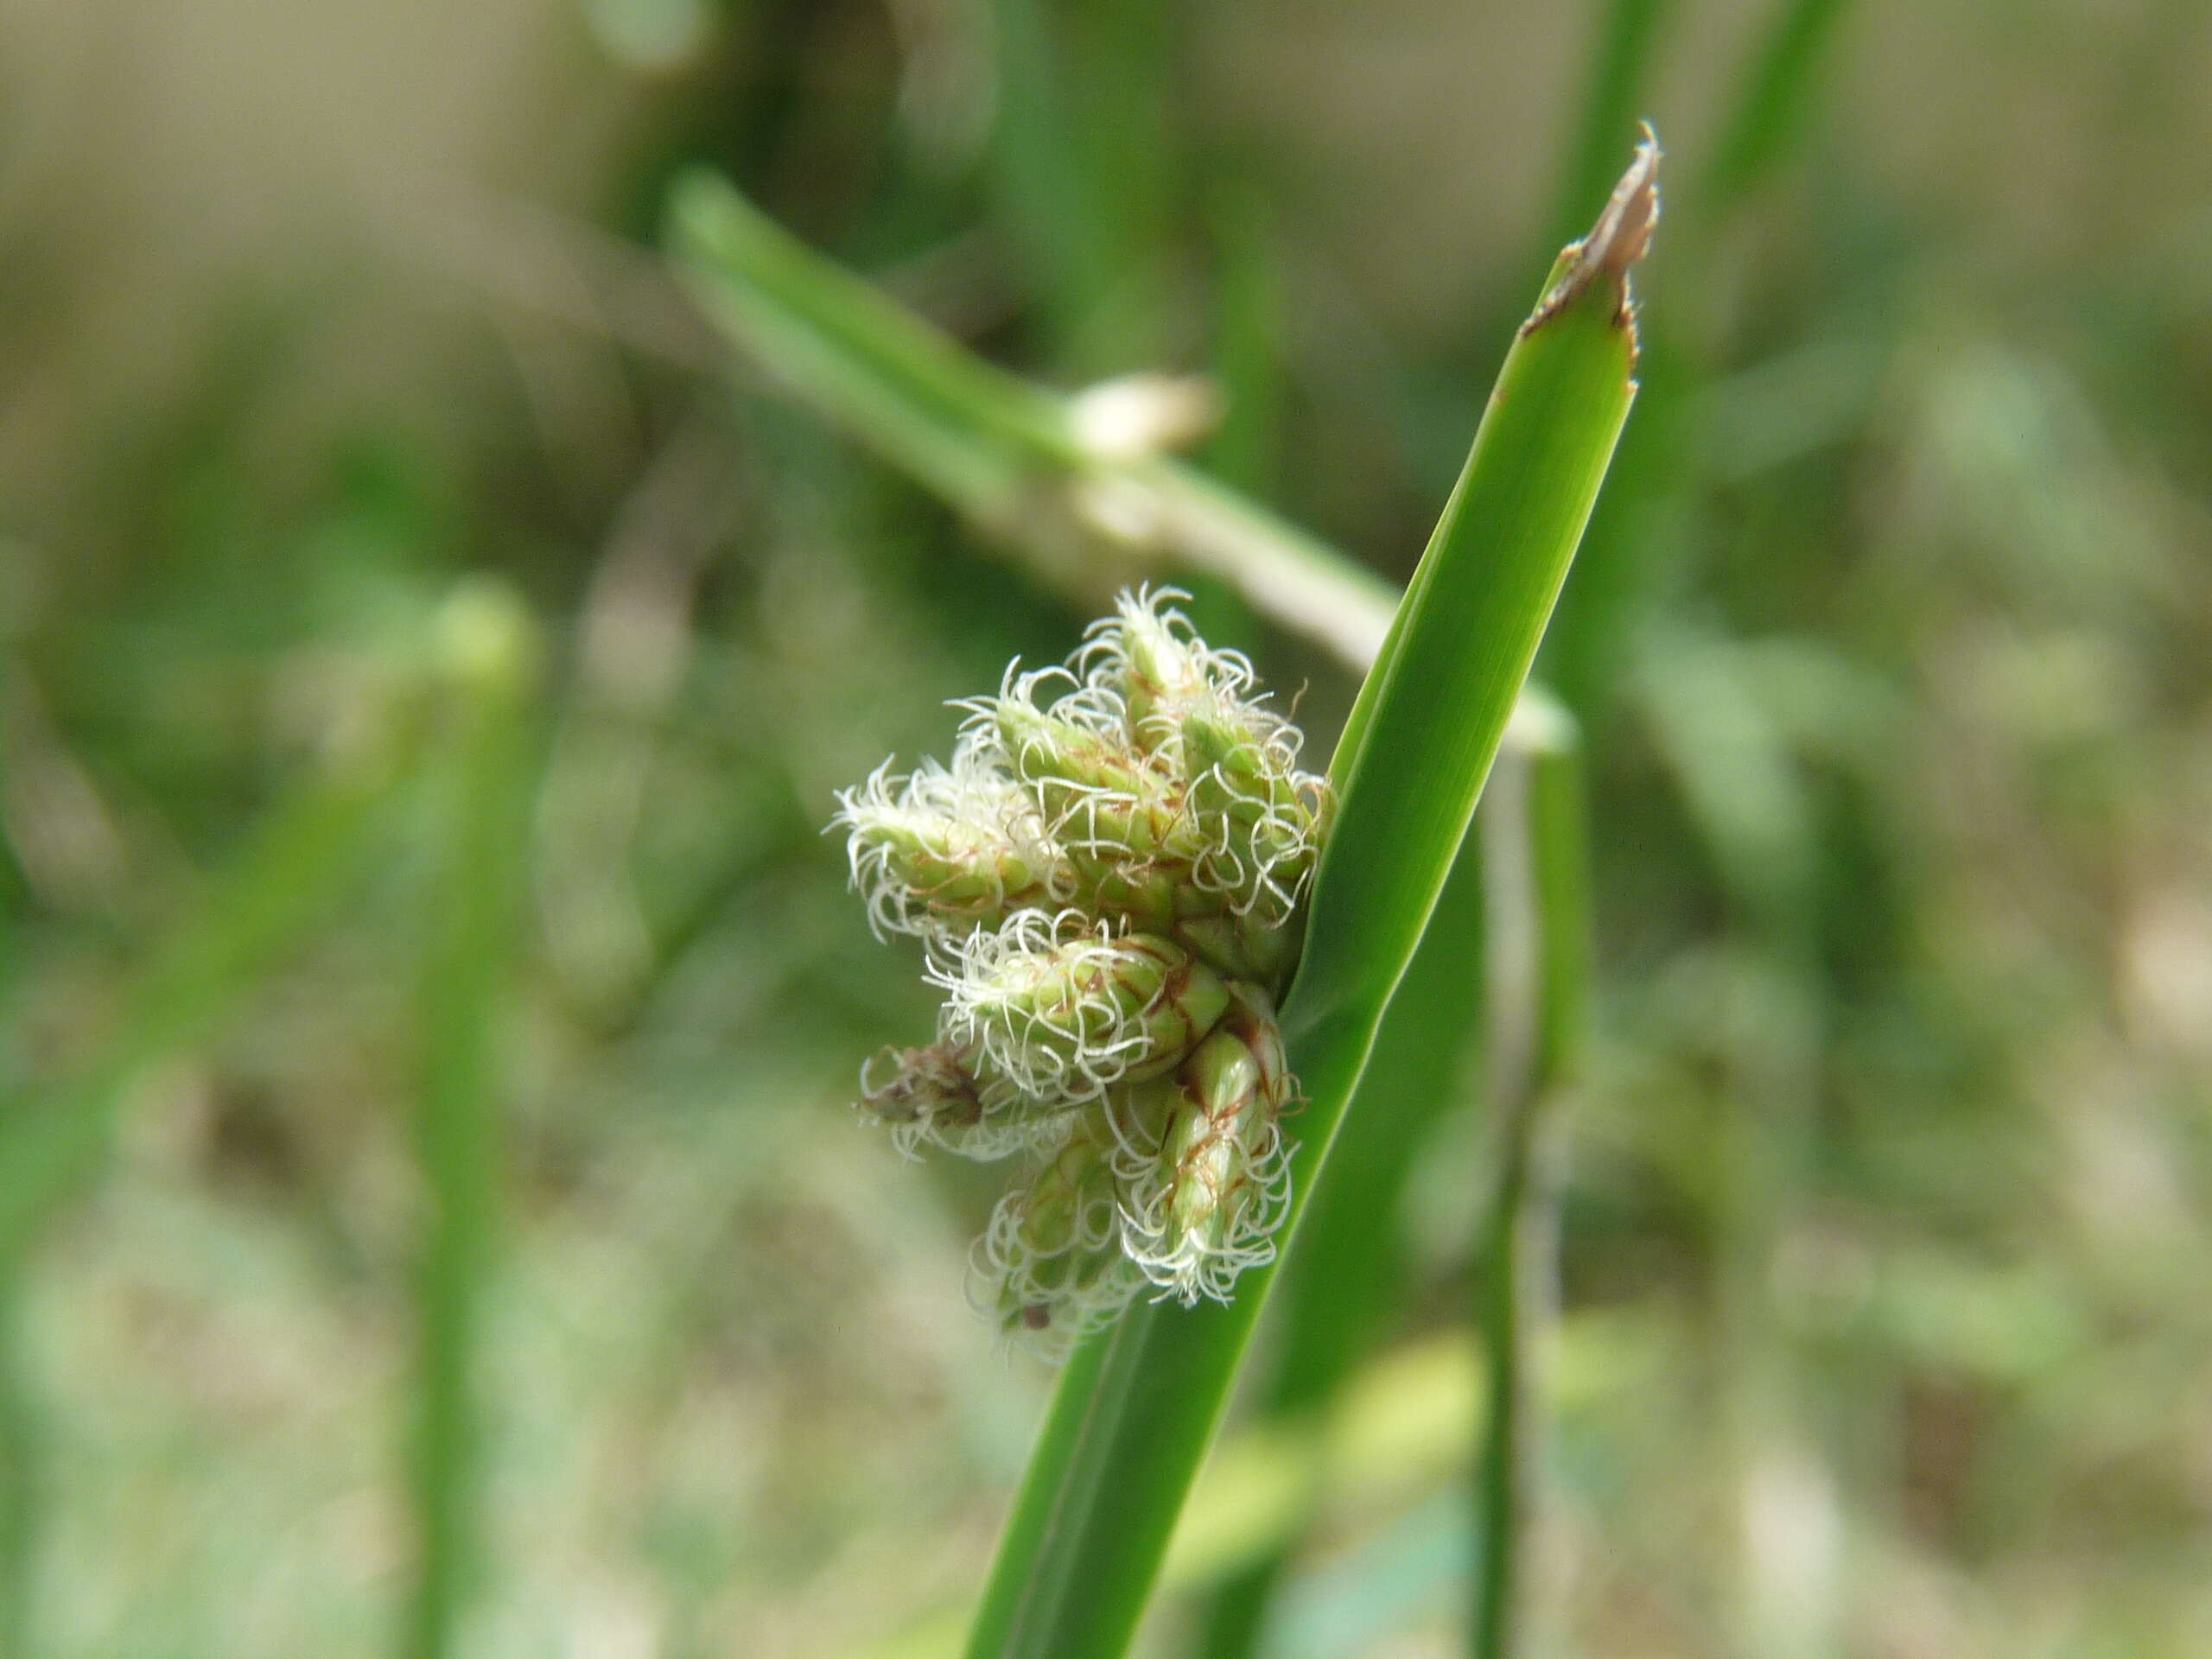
[[1108, 877]]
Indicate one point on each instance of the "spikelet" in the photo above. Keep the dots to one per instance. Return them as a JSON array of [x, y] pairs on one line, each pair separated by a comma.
[[941, 852], [1257, 815], [1062, 1008], [1049, 1267], [943, 1096], [1205, 1188]]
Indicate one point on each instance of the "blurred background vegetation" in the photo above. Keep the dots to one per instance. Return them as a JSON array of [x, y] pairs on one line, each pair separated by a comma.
[[427, 659]]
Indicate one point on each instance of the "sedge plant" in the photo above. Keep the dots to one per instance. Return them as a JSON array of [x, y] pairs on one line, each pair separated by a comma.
[[1106, 887]]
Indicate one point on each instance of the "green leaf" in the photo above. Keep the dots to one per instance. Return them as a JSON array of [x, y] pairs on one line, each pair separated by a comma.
[[1140, 1400]]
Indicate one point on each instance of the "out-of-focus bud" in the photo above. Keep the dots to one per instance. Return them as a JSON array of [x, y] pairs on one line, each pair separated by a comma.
[[934, 1097], [1049, 1267], [944, 852], [1144, 414], [1064, 1007], [1201, 1204]]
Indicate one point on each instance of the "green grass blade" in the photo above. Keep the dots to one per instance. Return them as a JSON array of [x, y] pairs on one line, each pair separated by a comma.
[[1778, 98], [1140, 1400], [1619, 67], [302, 859], [1563, 366], [475, 903]]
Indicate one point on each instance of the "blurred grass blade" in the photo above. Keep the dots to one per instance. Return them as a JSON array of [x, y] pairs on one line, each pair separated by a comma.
[[1246, 450], [969, 431], [303, 857], [483, 800], [1002, 452], [1140, 1401], [1539, 843], [997, 449], [1776, 99], [1619, 67], [1093, 213]]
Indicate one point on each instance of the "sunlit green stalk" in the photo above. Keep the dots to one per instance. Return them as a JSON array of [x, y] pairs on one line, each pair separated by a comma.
[[483, 783]]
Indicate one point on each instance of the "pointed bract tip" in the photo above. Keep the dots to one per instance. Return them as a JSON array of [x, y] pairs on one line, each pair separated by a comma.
[[1620, 238]]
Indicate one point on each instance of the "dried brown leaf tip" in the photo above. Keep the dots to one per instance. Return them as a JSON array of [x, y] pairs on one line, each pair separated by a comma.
[[1616, 242]]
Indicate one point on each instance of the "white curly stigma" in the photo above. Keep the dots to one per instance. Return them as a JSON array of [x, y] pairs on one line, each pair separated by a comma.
[[1047, 1001], [1062, 1298], [1098, 877], [1032, 690]]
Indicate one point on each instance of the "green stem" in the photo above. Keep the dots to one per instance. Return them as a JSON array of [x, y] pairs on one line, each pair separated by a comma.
[[1344, 1283], [476, 893]]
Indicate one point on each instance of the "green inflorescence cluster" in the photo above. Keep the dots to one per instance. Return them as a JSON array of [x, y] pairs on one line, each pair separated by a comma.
[[1108, 879]]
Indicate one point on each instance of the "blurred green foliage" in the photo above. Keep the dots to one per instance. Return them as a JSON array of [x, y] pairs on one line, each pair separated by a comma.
[[1884, 1215]]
